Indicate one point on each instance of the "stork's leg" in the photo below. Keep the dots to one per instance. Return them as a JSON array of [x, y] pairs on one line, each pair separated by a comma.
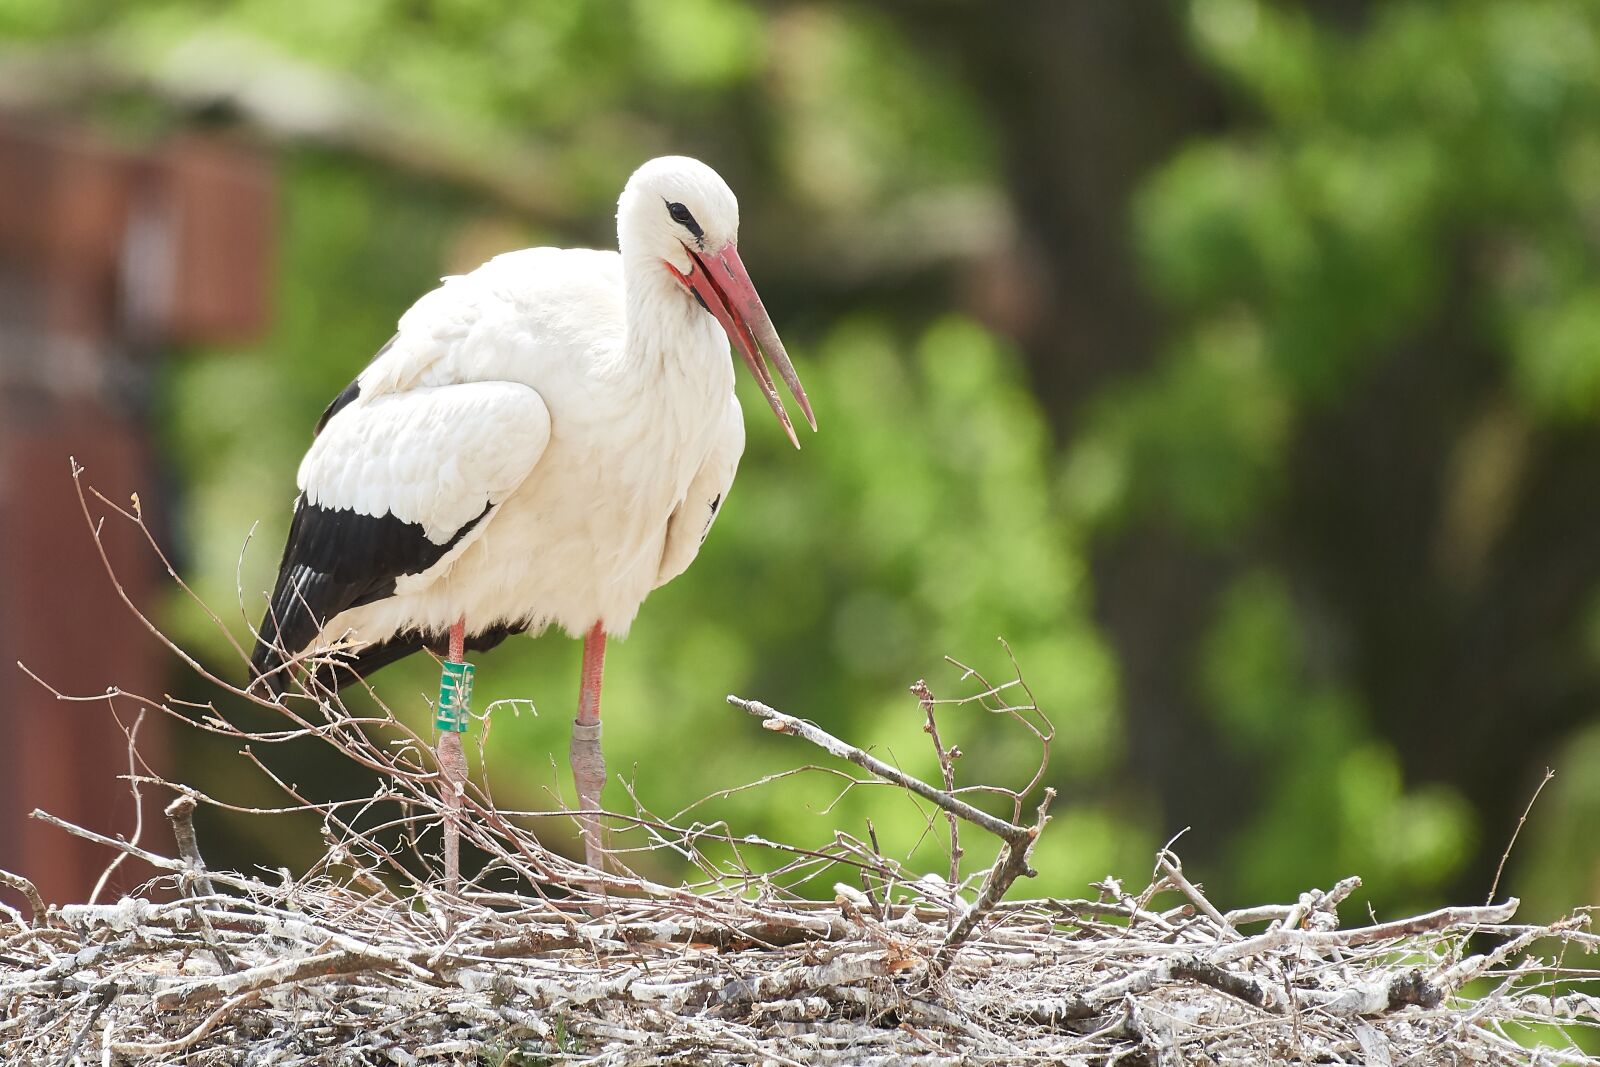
[[458, 641], [453, 768], [588, 762]]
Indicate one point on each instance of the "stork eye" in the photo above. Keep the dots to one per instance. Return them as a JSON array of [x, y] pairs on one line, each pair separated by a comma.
[[682, 217]]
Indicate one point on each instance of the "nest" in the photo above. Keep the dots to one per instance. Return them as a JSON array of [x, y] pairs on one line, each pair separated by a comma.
[[382, 953], [325, 972], [597, 967]]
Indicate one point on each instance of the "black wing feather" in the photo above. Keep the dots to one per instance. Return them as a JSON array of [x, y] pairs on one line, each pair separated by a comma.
[[336, 559], [348, 669]]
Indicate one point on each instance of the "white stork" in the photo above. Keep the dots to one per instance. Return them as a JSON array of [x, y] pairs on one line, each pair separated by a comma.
[[543, 442]]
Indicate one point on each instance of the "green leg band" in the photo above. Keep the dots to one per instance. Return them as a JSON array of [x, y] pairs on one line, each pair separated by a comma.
[[455, 697]]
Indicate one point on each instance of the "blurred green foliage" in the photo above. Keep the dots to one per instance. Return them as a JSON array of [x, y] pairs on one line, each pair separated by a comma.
[[1436, 161], [1442, 162]]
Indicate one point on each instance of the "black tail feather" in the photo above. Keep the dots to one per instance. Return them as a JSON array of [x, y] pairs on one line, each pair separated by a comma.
[[336, 559], [346, 669]]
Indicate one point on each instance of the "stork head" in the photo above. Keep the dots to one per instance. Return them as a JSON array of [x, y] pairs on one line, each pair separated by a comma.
[[678, 211]]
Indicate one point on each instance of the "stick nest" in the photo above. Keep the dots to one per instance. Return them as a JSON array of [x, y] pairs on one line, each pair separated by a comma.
[[322, 972]]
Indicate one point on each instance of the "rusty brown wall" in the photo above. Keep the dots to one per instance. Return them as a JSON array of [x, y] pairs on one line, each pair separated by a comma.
[[109, 257]]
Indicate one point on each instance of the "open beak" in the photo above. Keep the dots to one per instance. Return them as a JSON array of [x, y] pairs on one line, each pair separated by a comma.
[[724, 288]]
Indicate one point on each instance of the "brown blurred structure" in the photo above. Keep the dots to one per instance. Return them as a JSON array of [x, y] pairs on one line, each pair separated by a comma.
[[108, 256]]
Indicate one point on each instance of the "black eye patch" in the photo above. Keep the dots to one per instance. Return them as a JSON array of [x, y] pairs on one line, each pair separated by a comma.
[[682, 217]]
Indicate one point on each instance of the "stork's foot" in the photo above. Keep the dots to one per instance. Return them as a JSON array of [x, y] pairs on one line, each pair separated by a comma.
[[589, 775]]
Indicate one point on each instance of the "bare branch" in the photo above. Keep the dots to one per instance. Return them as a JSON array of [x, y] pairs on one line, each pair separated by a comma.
[[36, 902], [1494, 885], [947, 766], [181, 813], [1168, 863], [778, 722], [1008, 867], [132, 734]]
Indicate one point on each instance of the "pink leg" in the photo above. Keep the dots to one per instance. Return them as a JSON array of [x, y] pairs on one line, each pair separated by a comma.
[[588, 762], [453, 767], [458, 641]]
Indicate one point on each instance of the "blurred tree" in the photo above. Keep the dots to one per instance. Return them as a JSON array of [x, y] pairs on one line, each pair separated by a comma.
[[1377, 437]]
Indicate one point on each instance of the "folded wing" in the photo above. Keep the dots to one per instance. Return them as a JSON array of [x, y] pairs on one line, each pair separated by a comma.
[[395, 485]]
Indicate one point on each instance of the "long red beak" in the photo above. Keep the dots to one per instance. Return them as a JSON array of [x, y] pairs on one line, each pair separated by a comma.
[[724, 287]]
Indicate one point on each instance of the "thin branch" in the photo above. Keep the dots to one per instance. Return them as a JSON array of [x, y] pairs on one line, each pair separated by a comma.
[[132, 735], [1169, 864], [181, 814], [1011, 864], [1494, 886], [36, 902], [947, 760], [189, 1040], [778, 722]]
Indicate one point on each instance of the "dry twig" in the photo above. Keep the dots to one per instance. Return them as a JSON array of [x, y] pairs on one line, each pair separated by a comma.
[[778, 722]]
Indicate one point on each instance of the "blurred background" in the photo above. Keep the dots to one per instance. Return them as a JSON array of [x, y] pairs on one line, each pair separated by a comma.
[[1237, 362]]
